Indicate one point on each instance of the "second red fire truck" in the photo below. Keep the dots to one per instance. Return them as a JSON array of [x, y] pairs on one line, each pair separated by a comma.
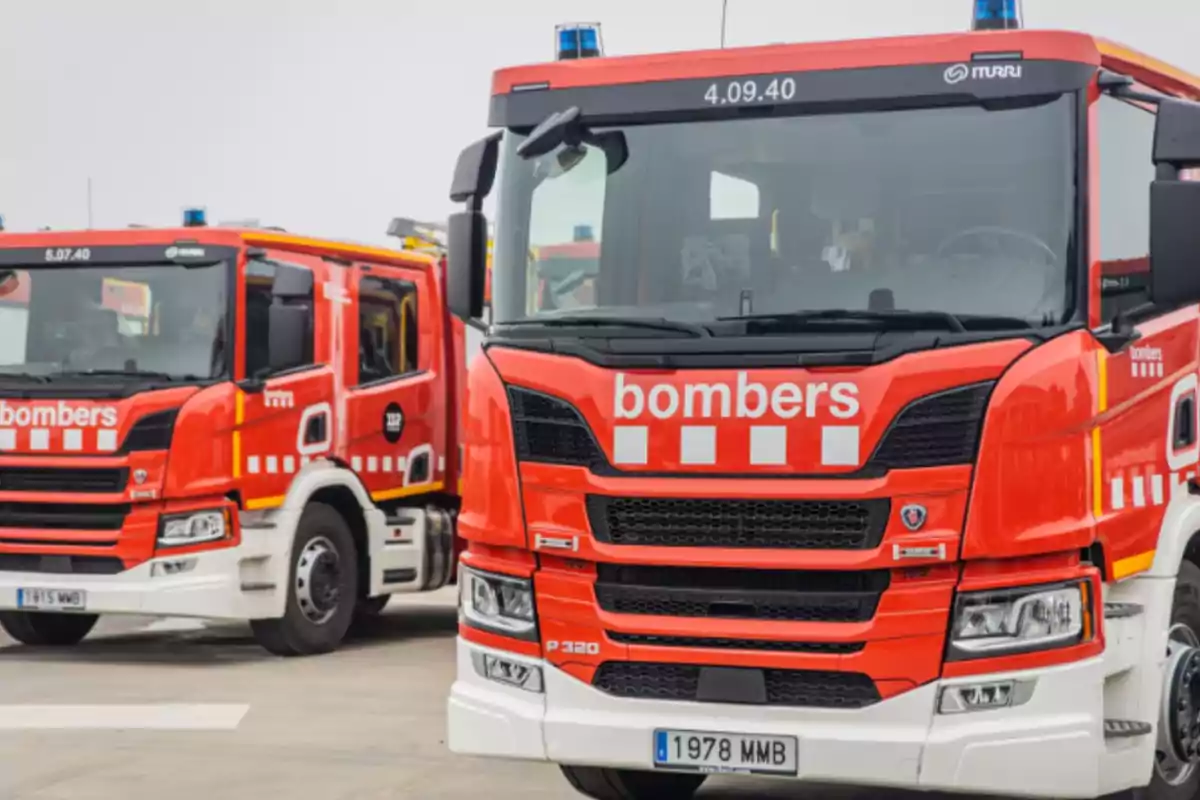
[[222, 423]]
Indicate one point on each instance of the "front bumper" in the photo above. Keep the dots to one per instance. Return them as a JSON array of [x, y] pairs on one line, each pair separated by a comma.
[[248, 581], [1050, 747]]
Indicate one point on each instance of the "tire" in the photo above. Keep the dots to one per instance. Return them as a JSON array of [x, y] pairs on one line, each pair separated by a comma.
[[47, 629], [371, 607], [322, 586], [624, 784], [1185, 609]]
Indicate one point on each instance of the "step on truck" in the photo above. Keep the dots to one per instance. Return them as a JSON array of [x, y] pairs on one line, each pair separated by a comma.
[[865, 451], [231, 424]]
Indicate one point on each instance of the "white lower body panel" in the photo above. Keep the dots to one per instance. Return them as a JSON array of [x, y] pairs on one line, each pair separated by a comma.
[[1051, 746], [249, 581]]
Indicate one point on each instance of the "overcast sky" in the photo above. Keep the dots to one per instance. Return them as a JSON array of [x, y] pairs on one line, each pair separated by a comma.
[[330, 118]]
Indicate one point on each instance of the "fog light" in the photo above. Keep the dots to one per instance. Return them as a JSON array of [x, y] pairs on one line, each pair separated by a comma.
[[508, 672], [177, 567], [984, 696]]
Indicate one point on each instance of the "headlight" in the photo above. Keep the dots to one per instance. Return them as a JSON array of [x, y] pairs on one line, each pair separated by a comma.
[[192, 528], [497, 603], [1018, 620]]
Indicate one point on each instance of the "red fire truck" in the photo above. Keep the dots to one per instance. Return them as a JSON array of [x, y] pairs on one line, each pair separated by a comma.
[[866, 459], [222, 423]]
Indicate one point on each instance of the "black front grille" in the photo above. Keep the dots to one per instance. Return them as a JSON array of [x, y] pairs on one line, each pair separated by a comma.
[[778, 687], [60, 565], [59, 516], [784, 595], [939, 430], [763, 645], [549, 430], [766, 524], [86, 480]]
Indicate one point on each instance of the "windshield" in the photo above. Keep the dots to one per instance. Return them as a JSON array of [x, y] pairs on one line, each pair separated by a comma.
[[164, 319], [961, 210]]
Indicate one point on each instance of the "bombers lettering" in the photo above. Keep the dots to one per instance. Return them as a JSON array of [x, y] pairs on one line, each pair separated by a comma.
[[63, 415], [745, 400]]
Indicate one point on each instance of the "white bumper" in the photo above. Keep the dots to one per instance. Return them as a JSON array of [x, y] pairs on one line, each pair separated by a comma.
[[1050, 747], [249, 581]]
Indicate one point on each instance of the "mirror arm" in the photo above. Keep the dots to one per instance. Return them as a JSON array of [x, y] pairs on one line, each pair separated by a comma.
[[1121, 331]]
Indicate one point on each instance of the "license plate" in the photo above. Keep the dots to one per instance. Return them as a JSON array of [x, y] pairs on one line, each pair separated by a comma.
[[726, 752], [52, 599]]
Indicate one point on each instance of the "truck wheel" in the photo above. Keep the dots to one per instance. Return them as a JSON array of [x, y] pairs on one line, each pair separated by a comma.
[[1177, 768], [369, 607], [627, 784], [47, 629], [322, 587]]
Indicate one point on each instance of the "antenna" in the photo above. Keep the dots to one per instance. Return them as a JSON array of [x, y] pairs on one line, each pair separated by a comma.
[[724, 17]]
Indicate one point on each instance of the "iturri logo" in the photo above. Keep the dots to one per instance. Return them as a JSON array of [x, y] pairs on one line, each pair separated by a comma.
[[982, 72]]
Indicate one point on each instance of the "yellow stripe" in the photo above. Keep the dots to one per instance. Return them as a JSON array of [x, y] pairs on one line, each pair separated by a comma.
[[257, 237], [1097, 457], [1132, 565], [239, 415], [265, 502], [408, 491]]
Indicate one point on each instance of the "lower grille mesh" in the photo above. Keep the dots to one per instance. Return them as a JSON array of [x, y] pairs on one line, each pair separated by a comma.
[[797, 688]]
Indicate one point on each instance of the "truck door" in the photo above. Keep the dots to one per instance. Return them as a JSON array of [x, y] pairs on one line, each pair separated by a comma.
[[396, 406], [284, 415]]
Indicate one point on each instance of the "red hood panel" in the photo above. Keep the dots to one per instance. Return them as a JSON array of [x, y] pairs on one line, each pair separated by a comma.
[[77, 427], [719, 421]]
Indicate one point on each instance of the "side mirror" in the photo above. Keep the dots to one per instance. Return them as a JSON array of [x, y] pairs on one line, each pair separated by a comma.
[[1175, 207], [467, 231], [1177, 133], [475, 171], [466, 264], [287, 335], [292, 283], [1174, 243]]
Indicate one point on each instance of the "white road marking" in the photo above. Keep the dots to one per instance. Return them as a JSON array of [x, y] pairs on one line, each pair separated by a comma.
[[158, 716]]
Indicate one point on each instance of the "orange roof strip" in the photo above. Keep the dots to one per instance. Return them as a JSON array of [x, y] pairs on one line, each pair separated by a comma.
[[322, 247], [1149, 70]]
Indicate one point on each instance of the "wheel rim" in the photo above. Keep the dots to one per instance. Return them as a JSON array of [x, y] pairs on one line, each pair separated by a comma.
[[1178, 747], [318, 580]]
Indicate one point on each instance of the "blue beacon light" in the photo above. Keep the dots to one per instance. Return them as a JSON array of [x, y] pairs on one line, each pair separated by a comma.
[[194, 218], [997, 15], [579, 41]]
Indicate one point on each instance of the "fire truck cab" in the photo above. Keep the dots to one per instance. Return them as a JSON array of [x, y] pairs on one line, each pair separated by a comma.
[[868, 453], [222, 423]]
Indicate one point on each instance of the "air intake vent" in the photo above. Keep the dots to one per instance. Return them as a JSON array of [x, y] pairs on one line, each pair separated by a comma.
[[935, 431], [151, 432], [551, 431]]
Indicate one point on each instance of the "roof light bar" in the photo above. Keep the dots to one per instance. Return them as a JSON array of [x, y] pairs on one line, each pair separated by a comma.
[[997, 15], [578, 40]]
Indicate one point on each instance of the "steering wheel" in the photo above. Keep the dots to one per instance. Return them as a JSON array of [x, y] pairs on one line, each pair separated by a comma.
[[997, 231]]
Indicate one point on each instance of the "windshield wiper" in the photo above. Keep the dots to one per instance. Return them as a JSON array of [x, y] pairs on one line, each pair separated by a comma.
[[24, 376], [624, 322], [940, 318], [127, 373]]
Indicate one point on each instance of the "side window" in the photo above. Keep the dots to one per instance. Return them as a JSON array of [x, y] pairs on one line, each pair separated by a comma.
[[1125, 139], [388, 335], [260, 278]]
